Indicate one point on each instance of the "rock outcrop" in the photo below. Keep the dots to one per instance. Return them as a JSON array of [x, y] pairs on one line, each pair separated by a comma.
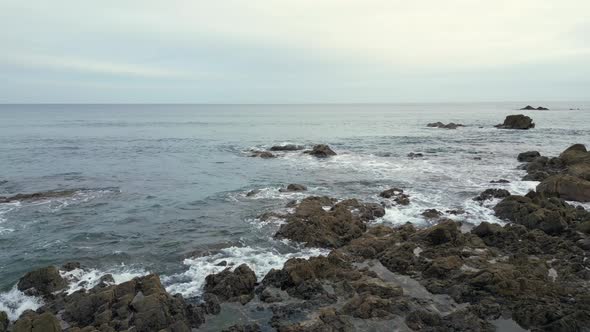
[[232, 286], [518, 121], [42, 282], [531, 108], [321, 151]]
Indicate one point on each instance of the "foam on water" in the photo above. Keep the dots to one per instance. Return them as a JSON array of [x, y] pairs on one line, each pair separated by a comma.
[[190, 283], [15, 302], [88, 278]]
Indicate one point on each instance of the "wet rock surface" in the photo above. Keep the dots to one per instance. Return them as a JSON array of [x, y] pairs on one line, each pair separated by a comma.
[[450, 125], [518, 121], [262, 154], [286, 147], [37, 196], [321, 151], [293, 187]]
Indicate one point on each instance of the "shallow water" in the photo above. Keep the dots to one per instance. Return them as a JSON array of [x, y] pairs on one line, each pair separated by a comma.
[[161, 188]]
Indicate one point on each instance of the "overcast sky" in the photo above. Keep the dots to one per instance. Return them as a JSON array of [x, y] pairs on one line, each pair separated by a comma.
[[284, 51]]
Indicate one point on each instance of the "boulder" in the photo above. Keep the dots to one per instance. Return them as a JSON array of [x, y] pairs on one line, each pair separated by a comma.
[[321, 151], [43, 281], [567, 187], [491, 194], [33, 322], [293, 187], [3, 321], [287, 147], [518, 121], [575, 154], [397, 195], [262, 154], [431, 214], [232, 286], [528, 156]]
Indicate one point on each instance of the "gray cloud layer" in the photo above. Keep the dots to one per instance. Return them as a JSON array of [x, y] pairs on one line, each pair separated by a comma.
[[267, 51]]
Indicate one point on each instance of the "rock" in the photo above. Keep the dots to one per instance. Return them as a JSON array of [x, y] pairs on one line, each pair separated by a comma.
[[44, 281], [70, 266], [486, 229], [3, 321], [444, 232], [45, 322], [287, 147], [232, 286], [450, 125], [262, 154], [316, 226], [567, 187], [575, 154], [321, 151], [37, 196], [491, 194], [397, 195], [541, 108], [518, 121], [536, 176], [253, 192], [413, 155], [243, 328], [431, 214], [294, 188], [528, 156], [500, 181], [528, 108], [421, 320]]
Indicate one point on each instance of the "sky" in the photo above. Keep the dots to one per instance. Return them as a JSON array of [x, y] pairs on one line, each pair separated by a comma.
[[293, 51]]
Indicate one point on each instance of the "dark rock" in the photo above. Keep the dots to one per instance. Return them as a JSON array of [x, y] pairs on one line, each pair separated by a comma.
[[500, 181], [262, 154], [243, 328], [222, 263], [212, 305], [253, 192], [528, 108], [293, 187], [44, 281], [321, 151], [567, 187], [541, 108], [3, 321], [431, 214], [287, 147], [397, 195], [518, 121], [33, 322], [450, 125], [536, 176], [444, 232], [70, 266], [528, 156], [413, 155], [37, 196], [575, 154], [421, 320], [486, 229], [232, 286], [491, 194]]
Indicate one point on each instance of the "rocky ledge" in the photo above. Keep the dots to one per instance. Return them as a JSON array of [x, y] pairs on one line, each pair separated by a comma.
[[531, 273]]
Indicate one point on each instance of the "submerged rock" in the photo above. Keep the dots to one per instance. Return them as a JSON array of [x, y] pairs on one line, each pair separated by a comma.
[[293, 187], [37, 196], [321, 151], [262, 154], [413, 155], [492, 193], [431, 214], [397, 195], [500, 181], [528, 156], [518, 121], [450, 125], [287, 147]]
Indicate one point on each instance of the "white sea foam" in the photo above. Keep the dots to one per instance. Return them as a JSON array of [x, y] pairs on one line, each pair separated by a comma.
[[15, 302], [88, 278], [190, 283]]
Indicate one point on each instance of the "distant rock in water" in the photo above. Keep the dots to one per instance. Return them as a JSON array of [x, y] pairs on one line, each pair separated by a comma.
[[321, 151], [262, 154], [500, 181], [413, 155], [450, 125], [518, 121], [37, 196], [293, 187], [287, 147], [531, 108]]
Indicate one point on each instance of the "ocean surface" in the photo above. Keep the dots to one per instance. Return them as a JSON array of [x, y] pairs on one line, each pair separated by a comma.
[[162, 188]]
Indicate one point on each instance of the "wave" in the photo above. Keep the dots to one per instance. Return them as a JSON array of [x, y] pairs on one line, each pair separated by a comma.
[[15, 302]]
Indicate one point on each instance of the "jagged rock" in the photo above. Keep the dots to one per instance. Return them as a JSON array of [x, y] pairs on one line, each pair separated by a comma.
[[287, 147], [293, 187], [492, 193], [262, 154], [397, 195], [567, 187], [431, 214], [33, 322], [232, 286], [43, 281], [3, 321], [518, 121], [321, 151], [531, 108], [528, 156]]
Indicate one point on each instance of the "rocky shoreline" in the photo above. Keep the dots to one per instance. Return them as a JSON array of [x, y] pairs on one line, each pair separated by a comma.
[[530, 274]]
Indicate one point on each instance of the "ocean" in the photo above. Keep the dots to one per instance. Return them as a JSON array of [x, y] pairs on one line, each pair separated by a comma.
[[162, 188]]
